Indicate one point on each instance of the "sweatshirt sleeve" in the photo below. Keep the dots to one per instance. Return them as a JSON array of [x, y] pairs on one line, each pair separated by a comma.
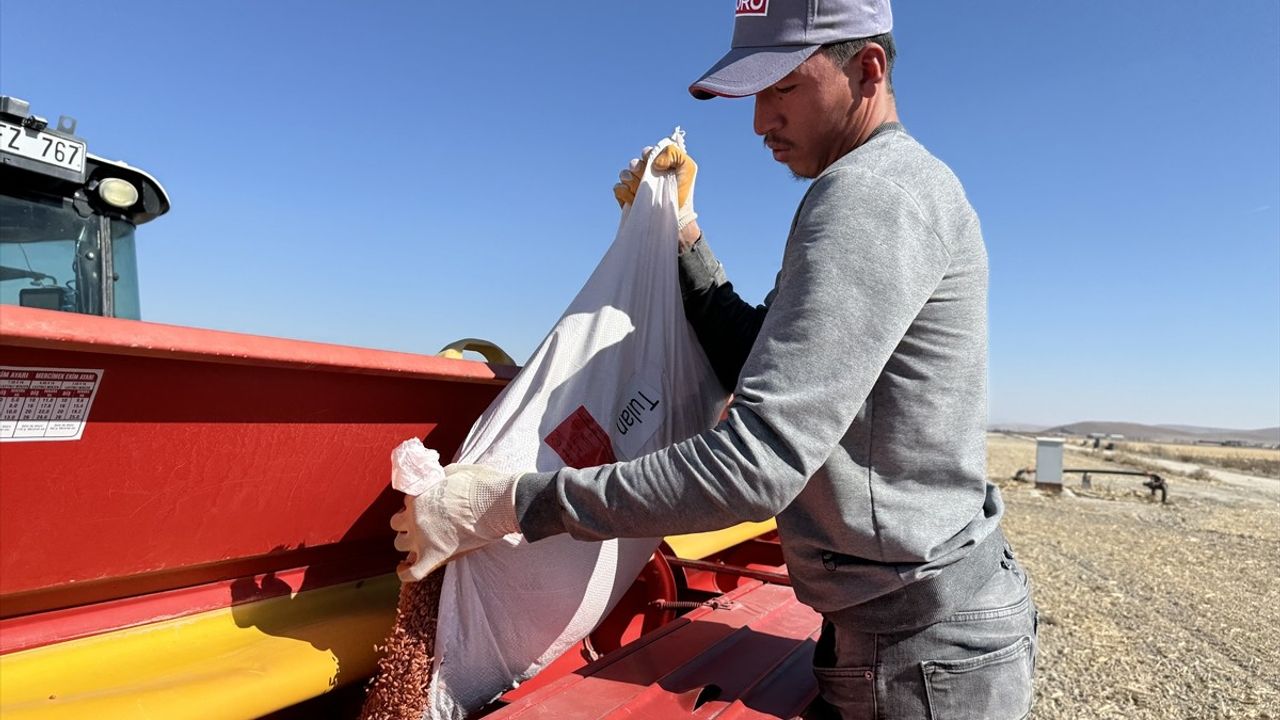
[[726, 326], [860, 263]]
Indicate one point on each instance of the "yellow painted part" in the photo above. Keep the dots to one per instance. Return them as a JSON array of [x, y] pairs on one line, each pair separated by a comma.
[[488, 350], [701, 545], [239, 662]]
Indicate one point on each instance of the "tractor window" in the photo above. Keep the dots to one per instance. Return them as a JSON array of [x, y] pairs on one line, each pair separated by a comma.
[[125, 260], [47, 257]]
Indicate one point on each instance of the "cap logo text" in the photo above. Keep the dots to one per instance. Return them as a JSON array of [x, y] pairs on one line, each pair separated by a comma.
[[752, 7]]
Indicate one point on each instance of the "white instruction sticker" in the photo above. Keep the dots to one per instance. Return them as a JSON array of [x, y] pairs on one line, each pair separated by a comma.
[[639, 413], [38, 403]]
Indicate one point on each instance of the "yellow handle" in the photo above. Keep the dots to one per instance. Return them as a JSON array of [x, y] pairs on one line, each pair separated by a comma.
[[491, 352]]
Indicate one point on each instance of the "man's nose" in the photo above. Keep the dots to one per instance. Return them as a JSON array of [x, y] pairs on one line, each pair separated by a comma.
[[766, 118]]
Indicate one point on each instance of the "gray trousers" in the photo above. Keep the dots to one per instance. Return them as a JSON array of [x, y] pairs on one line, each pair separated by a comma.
[[976, 664]]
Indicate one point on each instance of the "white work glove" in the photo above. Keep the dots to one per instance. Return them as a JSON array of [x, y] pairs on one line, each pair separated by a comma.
[[672, 158], [471, 507]]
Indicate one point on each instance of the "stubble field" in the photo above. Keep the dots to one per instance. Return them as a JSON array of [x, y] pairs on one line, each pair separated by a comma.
[[1257, 461], [1148, 610]]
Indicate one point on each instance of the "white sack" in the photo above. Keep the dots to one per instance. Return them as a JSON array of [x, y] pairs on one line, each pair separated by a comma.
[[624, 352]]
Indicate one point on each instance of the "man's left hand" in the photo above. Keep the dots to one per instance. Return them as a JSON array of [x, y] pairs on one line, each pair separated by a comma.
[[672, 159], [473, 506]]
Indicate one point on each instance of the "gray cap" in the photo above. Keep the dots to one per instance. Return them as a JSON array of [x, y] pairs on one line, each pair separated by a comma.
[[772, 37]]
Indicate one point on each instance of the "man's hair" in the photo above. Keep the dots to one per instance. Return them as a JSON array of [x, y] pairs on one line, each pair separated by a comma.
[[842, 52]]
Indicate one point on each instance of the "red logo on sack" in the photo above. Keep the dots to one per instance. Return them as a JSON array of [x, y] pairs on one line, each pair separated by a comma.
[[580, 441], [753, 7]]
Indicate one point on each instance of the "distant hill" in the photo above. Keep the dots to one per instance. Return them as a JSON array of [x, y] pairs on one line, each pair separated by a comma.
[[1017, 427], [1169, 433]]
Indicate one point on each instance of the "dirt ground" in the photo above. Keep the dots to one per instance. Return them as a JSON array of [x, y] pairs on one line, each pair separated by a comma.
[[1148, 610]]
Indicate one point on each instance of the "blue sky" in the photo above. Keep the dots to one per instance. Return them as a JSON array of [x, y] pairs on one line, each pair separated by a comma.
[[402, 174]]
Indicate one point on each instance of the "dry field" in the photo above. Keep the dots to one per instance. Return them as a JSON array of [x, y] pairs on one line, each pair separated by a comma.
[[1147, 610], [1256, 461]]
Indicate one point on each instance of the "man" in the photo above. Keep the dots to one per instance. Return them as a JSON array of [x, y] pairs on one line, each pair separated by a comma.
[[859, 387]]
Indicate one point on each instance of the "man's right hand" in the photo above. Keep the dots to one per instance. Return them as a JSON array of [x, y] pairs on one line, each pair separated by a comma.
[[672, 158]]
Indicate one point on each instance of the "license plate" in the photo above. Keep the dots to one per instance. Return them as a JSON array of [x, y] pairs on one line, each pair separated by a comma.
[[42, 147]]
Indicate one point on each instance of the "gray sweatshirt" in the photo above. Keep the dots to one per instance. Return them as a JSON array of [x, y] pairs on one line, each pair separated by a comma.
[[859, 406]]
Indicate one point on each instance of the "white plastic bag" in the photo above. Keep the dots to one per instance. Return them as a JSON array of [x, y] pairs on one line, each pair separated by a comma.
[[620, 375]]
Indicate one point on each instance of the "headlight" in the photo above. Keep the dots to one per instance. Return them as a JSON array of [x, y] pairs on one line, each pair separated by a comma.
[[118, 193]]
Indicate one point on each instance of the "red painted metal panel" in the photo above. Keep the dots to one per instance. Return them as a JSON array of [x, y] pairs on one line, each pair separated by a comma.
[[206, 450], [28, 327], [751, 660], [44, 628]]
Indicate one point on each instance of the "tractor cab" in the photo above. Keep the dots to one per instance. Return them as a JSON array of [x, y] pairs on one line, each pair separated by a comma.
[[68, 218]]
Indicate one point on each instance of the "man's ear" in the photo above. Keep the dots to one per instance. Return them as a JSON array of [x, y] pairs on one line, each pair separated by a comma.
[[872, 64]]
